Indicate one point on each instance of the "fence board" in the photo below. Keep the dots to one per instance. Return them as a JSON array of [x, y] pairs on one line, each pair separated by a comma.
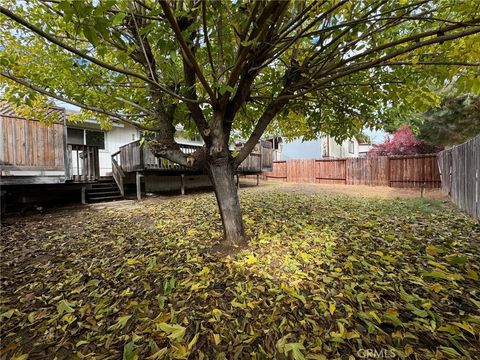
[[331, 171], [279, 171], [460, 172], [368, 171]]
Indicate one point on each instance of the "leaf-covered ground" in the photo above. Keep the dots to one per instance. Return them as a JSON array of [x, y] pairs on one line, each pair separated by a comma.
[[324, 277]]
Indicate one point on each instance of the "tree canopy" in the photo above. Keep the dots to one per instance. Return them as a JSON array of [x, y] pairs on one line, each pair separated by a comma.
[[238, 68], [456, 120], [340, 65]]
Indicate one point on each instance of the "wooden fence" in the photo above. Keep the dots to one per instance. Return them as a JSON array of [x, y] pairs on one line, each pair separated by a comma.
[[460, 172], [28, 145], [400, 171]]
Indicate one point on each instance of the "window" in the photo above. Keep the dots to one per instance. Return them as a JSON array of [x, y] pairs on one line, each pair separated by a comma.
[[95, 138], [86, 137], [351, 147], [75, 136]]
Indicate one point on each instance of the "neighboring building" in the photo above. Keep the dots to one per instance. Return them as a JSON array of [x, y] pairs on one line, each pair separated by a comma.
[[364, 148], [325, 147]]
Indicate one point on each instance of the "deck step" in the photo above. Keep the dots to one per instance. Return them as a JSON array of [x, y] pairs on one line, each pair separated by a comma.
[[101, 193], [106, 198], [104, 189], [98, 186]]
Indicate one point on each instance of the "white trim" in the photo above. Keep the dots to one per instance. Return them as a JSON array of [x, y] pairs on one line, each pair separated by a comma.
[[32, 173]]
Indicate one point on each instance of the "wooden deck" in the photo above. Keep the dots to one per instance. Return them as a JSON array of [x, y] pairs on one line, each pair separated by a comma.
[[135, 157]]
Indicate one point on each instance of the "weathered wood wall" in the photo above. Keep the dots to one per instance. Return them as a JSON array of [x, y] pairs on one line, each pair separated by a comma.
[[460, 172], [368, 171], [331, 171], [28, 145], [405, 171]]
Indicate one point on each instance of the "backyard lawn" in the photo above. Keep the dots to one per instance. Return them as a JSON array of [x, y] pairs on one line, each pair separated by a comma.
[[324, 277]]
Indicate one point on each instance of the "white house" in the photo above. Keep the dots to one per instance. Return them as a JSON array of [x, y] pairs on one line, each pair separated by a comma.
[[89, 132], [325, 147]]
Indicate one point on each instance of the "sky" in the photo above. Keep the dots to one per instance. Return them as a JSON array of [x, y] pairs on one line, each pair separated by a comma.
[[377, 136]]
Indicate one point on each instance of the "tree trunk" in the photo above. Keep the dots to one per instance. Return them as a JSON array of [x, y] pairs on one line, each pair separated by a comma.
[[221, 174]]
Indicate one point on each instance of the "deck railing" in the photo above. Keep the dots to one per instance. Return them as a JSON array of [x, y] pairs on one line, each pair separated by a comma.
[[137, 157], [83, 163], [118, 173]]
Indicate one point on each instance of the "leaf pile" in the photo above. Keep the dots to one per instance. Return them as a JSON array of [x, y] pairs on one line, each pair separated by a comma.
[[323, 278]]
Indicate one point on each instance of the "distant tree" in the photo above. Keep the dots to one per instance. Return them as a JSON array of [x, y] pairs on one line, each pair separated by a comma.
[[455, 121], [403, 142]]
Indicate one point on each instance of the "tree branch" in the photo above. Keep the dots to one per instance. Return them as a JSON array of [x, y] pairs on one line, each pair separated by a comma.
[[441, 63], [267, 116], [207, 40], [120, 117], [383, 59], [186, 50], [75, 51]]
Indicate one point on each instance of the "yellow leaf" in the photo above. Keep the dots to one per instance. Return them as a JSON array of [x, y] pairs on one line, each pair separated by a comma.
[[392, 311], [436, 287], [472, 274], [331, 308], [431, 250], [216, 339], [20, 357], [192, 342], [175, 331], [374, 315], [465, 326], [408, 350]]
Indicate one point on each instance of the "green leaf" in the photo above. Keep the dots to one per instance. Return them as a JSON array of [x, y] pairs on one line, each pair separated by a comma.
[[129, 351], [121, 322], [64, 307], [90, 33], [439, 274], [295, 349], [118, 18], [175, 331], [224, 88], [449, 351], [161, 301], [456, 259]]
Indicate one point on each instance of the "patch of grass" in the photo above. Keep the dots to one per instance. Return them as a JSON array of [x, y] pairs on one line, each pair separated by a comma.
[[427, 205], [322, 278]]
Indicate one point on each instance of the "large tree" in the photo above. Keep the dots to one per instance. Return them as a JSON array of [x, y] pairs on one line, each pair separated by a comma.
[[456, 120], [240, 67]]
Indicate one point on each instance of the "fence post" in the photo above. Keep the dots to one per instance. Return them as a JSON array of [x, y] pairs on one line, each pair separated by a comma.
[[84, 197], [138, 180], [182, 182]]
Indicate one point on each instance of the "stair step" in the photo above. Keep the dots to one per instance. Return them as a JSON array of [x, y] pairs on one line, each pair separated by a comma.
[[97, 193], [103, 198], [103, 186], [109, 179]]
